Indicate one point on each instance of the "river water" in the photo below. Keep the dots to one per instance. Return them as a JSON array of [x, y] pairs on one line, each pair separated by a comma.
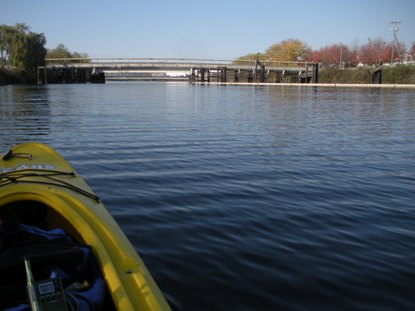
[[245, 198]]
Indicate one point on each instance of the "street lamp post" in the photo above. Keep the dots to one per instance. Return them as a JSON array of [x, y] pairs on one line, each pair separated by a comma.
[[341, 54]]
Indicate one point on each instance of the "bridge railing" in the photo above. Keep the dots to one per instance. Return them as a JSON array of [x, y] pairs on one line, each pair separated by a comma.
[[133, 60], [160, 60]]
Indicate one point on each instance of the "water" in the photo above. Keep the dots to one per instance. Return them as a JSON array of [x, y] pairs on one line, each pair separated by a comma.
[[245, 198]]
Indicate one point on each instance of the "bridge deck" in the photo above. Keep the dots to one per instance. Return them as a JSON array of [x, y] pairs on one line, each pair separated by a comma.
[[169, 64]]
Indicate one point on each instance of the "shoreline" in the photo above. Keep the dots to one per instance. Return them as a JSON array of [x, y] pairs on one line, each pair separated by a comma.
[[331, 85]]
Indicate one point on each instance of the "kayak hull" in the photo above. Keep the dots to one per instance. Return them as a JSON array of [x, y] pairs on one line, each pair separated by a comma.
[[72, 206]]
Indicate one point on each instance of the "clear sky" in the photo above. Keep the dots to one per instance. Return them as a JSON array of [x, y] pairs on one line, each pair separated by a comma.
[[206, 29]]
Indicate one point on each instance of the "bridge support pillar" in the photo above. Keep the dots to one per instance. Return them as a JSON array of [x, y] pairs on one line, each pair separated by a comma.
[[223, 75], [192, 75], [237, 75], [202, 74]]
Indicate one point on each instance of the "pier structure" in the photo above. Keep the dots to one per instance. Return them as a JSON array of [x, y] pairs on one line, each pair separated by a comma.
[[99, 70], [257, 72]]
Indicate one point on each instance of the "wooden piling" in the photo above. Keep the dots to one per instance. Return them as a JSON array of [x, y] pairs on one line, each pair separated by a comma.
[[377, 76], [262, 74], [314, 76], [39, 75]]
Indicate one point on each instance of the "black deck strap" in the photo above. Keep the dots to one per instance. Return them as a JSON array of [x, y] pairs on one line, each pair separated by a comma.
[[8, 155]]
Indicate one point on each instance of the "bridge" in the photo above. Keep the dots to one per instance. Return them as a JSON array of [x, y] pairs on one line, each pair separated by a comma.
[[82, 70]]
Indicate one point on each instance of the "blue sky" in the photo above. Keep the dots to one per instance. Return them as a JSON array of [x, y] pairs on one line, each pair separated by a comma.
[[206, 29]]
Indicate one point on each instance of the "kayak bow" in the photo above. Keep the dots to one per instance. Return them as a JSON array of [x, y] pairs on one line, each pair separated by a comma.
[[35, 173]]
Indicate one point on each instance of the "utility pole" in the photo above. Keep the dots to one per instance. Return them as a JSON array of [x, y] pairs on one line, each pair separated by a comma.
[[341, 54], [394, 29]]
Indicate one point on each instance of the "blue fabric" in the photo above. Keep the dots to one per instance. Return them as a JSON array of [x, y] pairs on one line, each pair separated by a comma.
[[21, 307], [53, 234], [90, 298]]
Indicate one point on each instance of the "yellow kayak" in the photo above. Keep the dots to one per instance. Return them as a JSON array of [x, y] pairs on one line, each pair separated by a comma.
[[42, 192]]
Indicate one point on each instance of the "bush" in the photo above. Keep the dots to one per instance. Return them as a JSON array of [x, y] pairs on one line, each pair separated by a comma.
[[8, 76], [401, 74], [354, 75]]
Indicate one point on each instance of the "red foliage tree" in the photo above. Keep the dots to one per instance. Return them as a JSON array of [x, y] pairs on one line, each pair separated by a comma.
[[375, 51], [333, 55]]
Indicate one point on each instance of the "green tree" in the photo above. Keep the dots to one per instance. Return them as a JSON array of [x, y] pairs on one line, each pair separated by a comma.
[[22, 49], [7, 34], [36, 51], [62, 51], [79, 55]]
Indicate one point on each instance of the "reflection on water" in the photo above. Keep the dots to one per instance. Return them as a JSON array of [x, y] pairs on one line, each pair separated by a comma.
[[245, 198], [24, 113]]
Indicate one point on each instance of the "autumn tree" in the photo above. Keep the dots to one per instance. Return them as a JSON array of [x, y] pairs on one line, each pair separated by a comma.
[[335, 54], [289, 50], [374, 51], [377, 51]]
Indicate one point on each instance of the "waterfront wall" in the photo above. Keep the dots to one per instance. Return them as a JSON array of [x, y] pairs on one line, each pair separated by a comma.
[[315, 85]]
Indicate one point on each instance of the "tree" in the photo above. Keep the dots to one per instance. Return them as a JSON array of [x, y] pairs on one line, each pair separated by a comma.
[[36, 51], [79, 55], [62, 51], [7, 34], [251, 57], [335, 54], [59, 52], [22, 49], [376, 51], [289, 50], [370, 53]]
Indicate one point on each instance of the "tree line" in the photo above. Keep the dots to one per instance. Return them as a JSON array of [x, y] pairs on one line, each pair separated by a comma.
[[24, 51], [373, 52]]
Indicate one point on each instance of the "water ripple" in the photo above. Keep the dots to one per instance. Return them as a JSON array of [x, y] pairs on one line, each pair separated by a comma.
[[242, 198]]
